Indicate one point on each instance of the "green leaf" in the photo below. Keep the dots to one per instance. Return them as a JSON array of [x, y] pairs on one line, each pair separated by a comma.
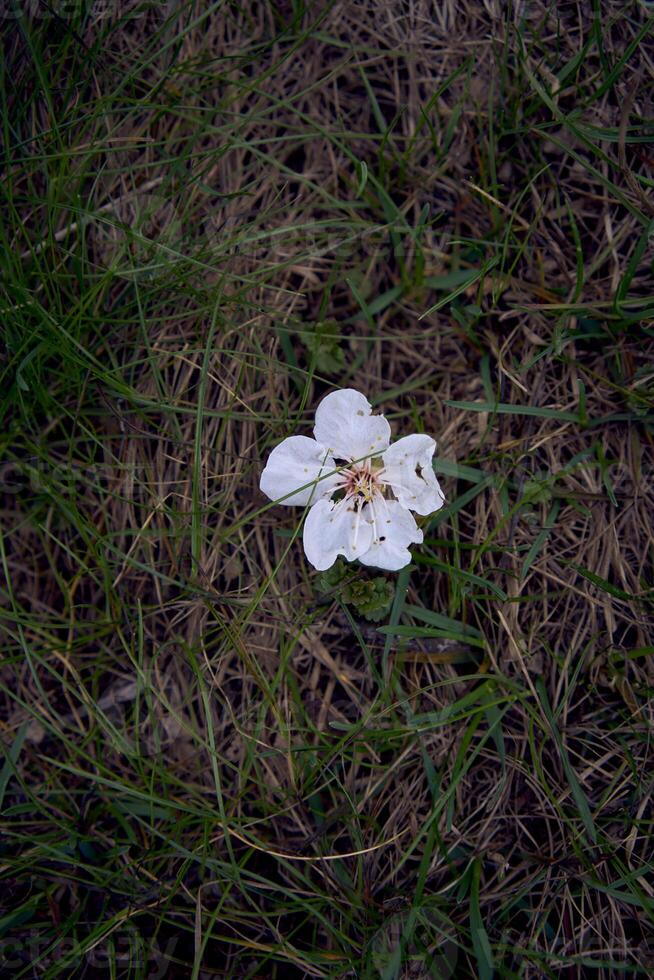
[[499, 409], [575, 786], [540, 538], [330, 579], [371, 598], [11, 758], [362, 176], [470, 279], [480, 942], [446, 512], [602, 584], [427, 631], [447, 467], [401, 589], [464, 576], [462, 630]]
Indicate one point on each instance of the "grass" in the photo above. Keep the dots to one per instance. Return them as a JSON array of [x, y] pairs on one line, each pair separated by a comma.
[[212, 215]]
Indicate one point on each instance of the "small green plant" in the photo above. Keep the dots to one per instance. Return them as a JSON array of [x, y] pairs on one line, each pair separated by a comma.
[[370, 597], [332, 579], [324, 343]]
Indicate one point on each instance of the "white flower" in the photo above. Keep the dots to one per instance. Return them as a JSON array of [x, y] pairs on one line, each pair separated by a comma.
[[347, 475]]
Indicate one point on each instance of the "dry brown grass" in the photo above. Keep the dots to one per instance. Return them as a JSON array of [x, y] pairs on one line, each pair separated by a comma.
[[193, 710]]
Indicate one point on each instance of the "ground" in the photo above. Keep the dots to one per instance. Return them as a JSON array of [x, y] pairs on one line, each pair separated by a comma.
[[215, 764]]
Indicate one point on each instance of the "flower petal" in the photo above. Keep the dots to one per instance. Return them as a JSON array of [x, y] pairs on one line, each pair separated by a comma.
[[332, 529], [395, 529], [344, 423], [295, 462], [408, 471]]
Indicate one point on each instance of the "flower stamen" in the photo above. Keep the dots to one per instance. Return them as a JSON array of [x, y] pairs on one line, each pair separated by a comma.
[[361, 482], [357, 521], [375, 530]]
